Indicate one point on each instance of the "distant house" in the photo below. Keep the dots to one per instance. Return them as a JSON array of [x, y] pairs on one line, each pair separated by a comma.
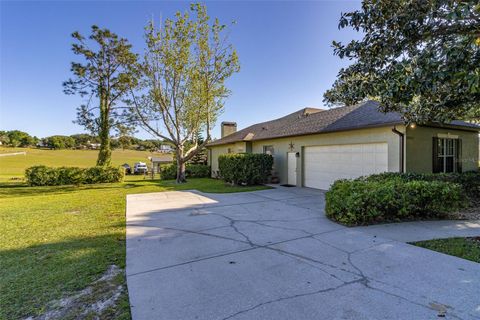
[[41, 144], [314, 147], [93, 146], [157, 161], [165, 148]]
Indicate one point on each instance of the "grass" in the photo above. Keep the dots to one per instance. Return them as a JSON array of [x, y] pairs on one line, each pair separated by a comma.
[[465, 248], [55, 241], [14, 166]]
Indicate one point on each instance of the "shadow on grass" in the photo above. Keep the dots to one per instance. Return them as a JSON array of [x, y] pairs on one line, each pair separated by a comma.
[[13, 184], [206, 185], [9, 190], [35, 191], [32, 277]]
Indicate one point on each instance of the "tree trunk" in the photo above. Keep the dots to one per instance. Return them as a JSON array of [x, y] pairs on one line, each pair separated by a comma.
[[105, 154], [181, 178], [181, 172]]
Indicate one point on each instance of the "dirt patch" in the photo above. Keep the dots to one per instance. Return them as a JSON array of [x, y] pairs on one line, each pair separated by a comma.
[[99, 298]]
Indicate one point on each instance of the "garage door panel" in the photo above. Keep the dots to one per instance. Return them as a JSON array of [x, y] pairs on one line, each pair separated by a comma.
[[381, 147], [369, 170], [353, 169], [325, 164], [368, 157], [380, 158]]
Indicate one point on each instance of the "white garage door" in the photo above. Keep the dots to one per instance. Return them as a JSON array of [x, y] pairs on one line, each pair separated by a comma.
[[325, 164]]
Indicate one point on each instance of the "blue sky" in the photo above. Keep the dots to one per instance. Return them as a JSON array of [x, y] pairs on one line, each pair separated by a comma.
[[285, 52]]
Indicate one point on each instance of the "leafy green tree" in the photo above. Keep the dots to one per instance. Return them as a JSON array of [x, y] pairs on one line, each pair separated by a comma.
[[201, 156], [60, 142], [419, 58], [186, 64], [84, 139], [104, 77], [135, 141], [19, 138], [124, 136], [4, 139], [149, 145], [115, 144]]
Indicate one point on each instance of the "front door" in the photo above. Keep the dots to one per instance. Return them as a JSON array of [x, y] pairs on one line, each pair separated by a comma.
[[292, 168]]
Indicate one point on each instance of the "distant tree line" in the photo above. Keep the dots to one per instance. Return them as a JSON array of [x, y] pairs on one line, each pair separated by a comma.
[[17, 138]]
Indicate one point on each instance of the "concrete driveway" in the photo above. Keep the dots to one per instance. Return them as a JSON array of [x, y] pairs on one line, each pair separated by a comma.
[[272, 254]]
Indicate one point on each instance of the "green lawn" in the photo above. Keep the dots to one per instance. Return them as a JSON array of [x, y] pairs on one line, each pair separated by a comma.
[[465, 248], [14, 166], [55, 241]]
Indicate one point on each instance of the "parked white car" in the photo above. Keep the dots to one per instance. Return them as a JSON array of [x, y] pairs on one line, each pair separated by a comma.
[[140, 168]]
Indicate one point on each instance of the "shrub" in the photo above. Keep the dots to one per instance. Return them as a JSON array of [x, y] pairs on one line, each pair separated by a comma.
[[47, 176], [364, 201], [169, 171], [198, 171], [245, 168], [469, 181], [41, 176], [104, 175], [69, 175]]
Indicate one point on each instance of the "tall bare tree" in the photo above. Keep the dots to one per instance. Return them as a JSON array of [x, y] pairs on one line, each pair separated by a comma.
[[182, 88], [106, 74]]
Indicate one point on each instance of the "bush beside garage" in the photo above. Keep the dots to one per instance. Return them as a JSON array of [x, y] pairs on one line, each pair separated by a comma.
[[394, 197]]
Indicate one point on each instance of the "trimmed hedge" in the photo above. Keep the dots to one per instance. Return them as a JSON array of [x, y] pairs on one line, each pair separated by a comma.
[[48, 176], [470, 180], [197, 171], [388, 199], [169, 171], [245, 168]]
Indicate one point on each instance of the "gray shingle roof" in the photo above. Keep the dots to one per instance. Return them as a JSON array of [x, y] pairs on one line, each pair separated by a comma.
[[310, 121]]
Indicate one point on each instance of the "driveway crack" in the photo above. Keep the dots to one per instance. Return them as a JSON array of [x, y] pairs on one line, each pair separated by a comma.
[[223, 254], [232, 225], [368, 281], [290, 297]]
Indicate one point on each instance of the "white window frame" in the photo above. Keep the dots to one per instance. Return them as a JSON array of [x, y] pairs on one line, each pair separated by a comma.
[[269, 146], [448, 151]]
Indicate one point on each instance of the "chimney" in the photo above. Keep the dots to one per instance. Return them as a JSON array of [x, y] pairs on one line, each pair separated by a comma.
[[228, 128]]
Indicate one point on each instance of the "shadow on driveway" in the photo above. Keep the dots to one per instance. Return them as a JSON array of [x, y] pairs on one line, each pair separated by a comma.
[[273, 254]]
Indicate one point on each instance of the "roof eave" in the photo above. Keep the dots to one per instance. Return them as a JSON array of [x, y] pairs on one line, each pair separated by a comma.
[[453, 126], [379, 125]]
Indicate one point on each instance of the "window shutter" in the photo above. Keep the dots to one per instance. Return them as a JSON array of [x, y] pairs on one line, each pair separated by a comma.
[[458, 156], [435, 163]]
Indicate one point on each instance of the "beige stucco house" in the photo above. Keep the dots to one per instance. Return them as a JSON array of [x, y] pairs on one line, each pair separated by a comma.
[[315, 147]]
